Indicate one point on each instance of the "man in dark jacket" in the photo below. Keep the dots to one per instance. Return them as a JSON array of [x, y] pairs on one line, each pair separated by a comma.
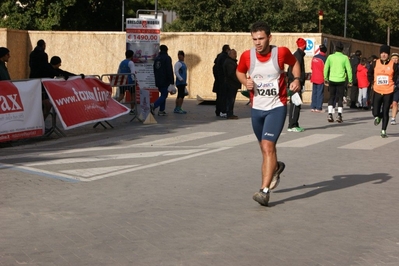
[[54, 69], [4, 56], [218, 85], [163, 72], [293, 115], [39, 68], [231, 83], [354, 89], [38, 61]]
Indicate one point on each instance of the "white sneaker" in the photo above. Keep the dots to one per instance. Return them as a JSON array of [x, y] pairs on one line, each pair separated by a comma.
[[393, 121], [223, 115]]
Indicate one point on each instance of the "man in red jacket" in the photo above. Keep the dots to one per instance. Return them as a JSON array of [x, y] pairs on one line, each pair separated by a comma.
[[317, 66]]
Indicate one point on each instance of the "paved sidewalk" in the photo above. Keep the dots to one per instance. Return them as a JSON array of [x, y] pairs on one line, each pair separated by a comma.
[[180, 193]]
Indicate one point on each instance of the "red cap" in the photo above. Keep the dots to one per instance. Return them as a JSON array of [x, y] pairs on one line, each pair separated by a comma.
[[300, 42]]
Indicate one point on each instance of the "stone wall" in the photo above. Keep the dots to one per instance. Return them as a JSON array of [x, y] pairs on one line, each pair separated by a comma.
[[100, 52]]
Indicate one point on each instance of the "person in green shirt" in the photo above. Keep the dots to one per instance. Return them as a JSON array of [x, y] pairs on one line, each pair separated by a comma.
[[4, 56], [337, 70]]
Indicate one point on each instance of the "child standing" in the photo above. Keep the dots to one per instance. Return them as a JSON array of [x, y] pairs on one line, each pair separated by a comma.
[[363, 83]]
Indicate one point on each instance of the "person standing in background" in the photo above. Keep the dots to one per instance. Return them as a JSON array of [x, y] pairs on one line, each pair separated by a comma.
[[362, 83], [127, 66], [181, 82], [163, 72], [231, 83], [317, 66], [354, 89], [4, 56], [218, 85], [39, 68], [395, 59], [38, 61], [295, 110]]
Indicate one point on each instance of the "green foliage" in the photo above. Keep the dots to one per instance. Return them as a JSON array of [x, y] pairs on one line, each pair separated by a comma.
[[387, 12], [68, 14], [33, 15], [366, 19]]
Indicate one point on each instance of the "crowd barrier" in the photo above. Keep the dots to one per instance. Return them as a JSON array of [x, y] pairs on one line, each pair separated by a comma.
[[122, 80], [75, 101]]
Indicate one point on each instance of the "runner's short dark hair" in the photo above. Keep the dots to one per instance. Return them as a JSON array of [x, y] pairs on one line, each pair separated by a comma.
[[260, 26]]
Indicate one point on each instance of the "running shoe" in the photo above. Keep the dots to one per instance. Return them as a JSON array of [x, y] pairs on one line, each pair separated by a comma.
[[132, 112], [223, 115], [276, 175], [377, 120], [339, 119], [181, 111], [384, 134], [161, 113], [393, 121], [296, 129], [261, 197], [330, 118]]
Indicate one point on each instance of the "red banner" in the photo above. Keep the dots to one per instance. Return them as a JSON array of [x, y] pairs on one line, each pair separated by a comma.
[[80, 101], [20, 110]]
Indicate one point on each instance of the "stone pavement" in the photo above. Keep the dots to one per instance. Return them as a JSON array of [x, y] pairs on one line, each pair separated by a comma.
[[180, 193]]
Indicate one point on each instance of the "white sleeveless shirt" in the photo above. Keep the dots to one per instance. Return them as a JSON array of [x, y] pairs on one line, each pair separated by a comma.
[[267, 79]]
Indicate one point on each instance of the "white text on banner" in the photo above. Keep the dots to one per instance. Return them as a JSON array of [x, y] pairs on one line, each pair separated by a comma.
[[21, 114], [80, 101]]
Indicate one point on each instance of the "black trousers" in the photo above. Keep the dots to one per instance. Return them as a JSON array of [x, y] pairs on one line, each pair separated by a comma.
[[384, 100], [336, 93], [293, 114], [220, 99], [231, 94], [354, 92]]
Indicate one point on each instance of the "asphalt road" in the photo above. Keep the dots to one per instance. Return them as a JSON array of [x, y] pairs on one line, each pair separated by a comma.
[[179, 192]]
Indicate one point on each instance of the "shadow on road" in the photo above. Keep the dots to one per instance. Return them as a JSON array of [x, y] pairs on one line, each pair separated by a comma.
[[337, 182]]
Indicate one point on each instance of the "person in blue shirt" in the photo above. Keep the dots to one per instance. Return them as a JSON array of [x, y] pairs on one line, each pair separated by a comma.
[[181, 82], [127, 66]]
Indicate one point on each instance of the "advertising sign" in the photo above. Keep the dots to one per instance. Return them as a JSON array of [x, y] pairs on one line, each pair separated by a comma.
[[80, 101], [21, 113], [143, 38]]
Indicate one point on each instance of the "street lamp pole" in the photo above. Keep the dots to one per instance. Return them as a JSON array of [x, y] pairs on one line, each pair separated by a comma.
[[346, 14], [123, 14], [156, 9], [320, 19]]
